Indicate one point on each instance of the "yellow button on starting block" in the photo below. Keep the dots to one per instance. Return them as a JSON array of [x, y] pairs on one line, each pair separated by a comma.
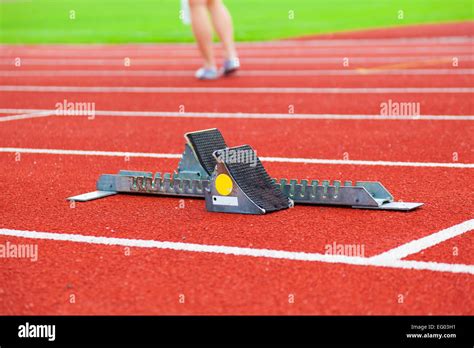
[[224, 184]]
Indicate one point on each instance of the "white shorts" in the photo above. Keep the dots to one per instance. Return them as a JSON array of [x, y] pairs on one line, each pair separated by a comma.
[[185, 14]]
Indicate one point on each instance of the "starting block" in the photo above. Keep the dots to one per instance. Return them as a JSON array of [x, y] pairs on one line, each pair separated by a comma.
[[233, 180]]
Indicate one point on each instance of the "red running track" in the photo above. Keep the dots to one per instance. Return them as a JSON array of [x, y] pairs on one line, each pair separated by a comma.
[[331, 139], [107, 280], [336, 103]]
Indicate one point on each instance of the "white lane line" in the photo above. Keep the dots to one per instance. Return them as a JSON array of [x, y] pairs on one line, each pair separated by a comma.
[[265, 159], [27, 115], [446, 59], [253, 52], [271, 73], [238, 251], [367, 163], [121, 51], [358, 42], [460, 39], [269, 116], [89, 153], [418, 245], [233, 90]]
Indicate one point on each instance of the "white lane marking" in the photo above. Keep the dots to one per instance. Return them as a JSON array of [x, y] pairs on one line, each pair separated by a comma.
[[238, 251], [89, 153], [447, 59], [370, 51], [270, 116], [27, 115], [418, 245], [233, 90], [274, 43], [357, 42], [265, 159], [367, 163], [270, 73]]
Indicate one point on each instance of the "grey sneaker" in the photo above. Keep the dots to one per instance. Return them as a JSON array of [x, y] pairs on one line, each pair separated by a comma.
[[207, 74], [230, 66]]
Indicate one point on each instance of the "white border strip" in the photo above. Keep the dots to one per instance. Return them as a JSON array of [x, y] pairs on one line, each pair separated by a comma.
[[331, 55], [89, 153], [367, 163], [124, 51], [265, 159], [243, 73], [418, 245], [238, 251], [27, 115], [242, 115], [233, 90], [277, 43]]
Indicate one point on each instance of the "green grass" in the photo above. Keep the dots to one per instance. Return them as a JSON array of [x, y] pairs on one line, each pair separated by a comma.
[[106, 21]]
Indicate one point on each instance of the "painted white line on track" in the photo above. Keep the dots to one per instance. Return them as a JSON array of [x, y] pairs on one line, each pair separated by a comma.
[[239, 251], [460, 39], [418, 245], [446, 59], [27, 116], [89, 153], [263, 116], [368, 163], [265, 159], [234, 90], [244, 73], [246, 52]]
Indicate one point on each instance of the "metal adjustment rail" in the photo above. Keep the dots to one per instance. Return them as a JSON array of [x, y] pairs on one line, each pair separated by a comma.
[[363, 194]]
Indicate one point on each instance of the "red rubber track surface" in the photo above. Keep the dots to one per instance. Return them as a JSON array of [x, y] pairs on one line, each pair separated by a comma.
[[105, 280], [371, 139], [441, 62], [430, 104], [251, 81], [429, 30]]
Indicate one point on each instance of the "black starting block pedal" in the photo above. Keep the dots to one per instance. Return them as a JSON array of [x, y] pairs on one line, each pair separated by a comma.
[[203, 144], [240, 184]]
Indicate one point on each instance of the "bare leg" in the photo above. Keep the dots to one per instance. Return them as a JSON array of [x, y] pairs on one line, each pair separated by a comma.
[[202, 30], [222, 22]]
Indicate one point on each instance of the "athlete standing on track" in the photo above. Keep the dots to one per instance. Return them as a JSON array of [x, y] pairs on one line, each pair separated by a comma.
[[203, 31]]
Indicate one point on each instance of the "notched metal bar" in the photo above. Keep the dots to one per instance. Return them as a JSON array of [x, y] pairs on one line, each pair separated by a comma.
[[362, 195], [326, 194], [158, 185]]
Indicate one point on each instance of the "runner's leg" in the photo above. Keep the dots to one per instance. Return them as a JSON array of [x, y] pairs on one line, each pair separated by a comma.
[[202, 30], [222, 22]]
